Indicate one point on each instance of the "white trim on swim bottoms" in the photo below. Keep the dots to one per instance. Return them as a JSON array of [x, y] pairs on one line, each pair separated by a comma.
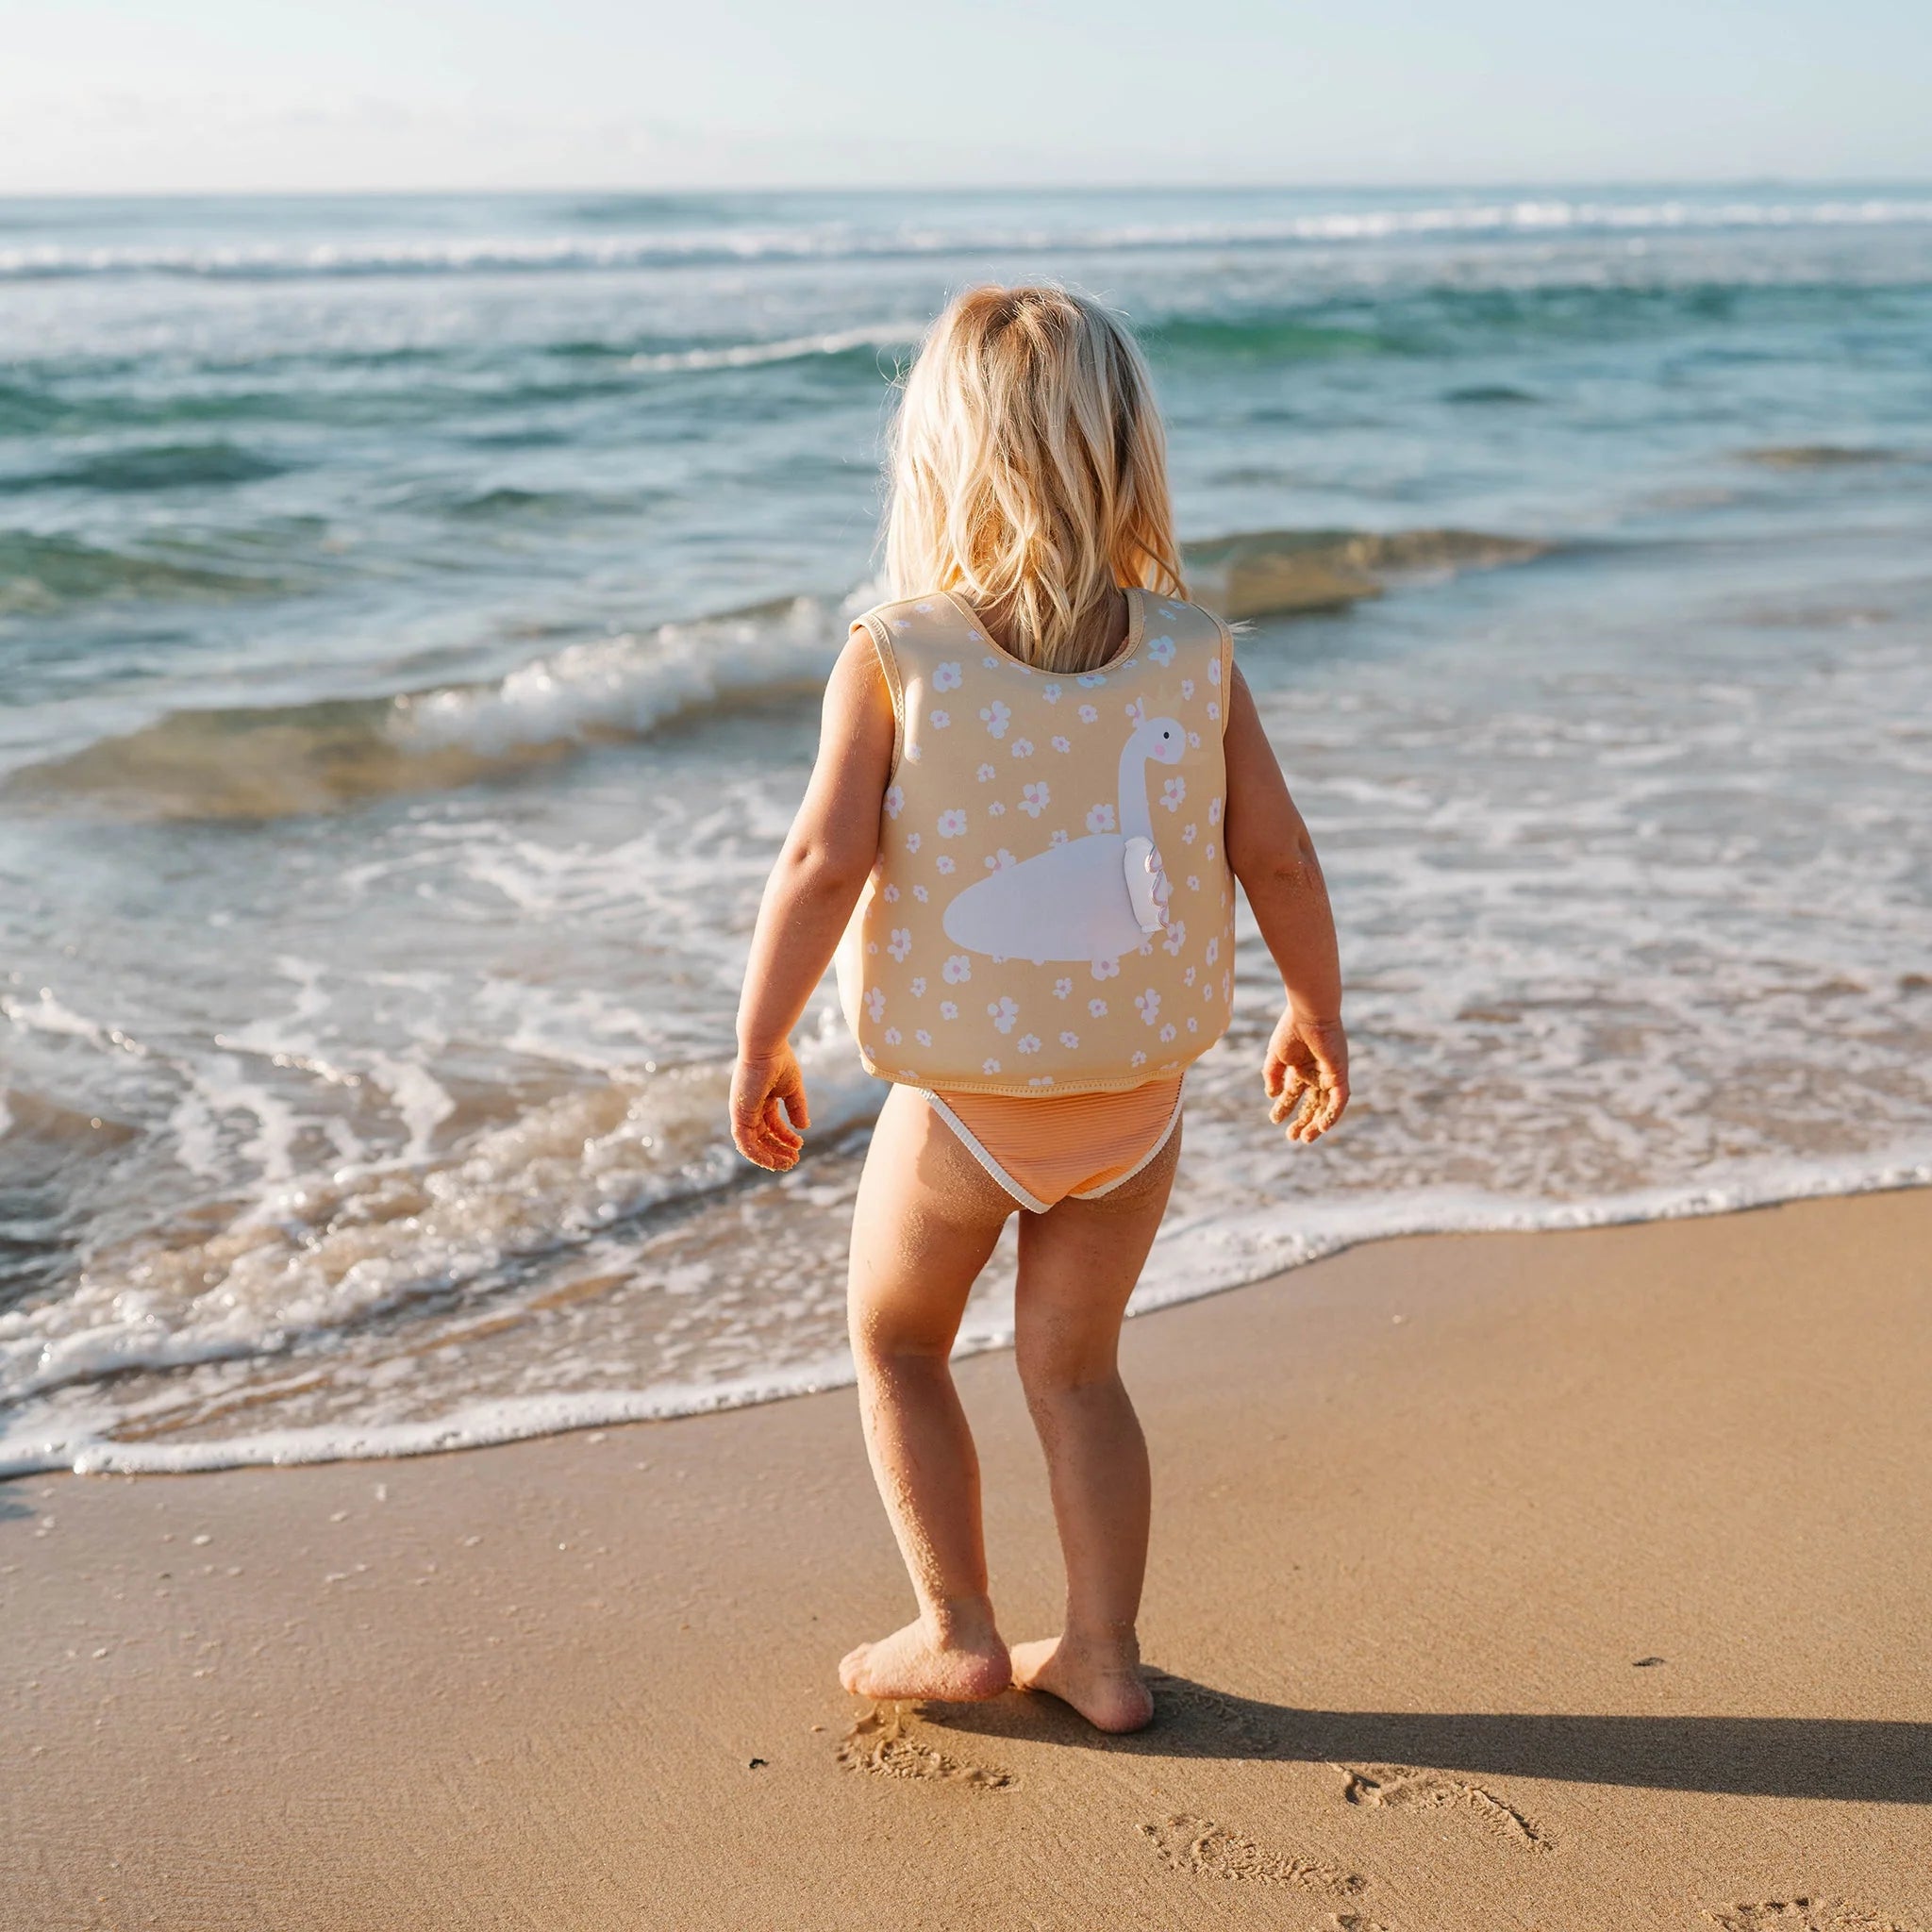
[[1174, 1120], [973, 1144]]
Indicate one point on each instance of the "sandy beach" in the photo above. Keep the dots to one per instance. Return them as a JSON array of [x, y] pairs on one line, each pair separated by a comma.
[[1565, 1581]]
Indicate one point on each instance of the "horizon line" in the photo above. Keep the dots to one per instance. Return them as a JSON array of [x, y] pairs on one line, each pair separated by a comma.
[[1460, 186]]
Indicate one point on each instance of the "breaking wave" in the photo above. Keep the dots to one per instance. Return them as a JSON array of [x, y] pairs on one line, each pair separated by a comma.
[[833, 241], [278, 762]]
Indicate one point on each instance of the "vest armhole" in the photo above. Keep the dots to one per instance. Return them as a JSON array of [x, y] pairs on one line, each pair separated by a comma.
[[1227, 647], [875, 627]]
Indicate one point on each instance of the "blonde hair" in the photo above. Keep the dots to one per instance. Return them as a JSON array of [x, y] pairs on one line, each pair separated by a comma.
[[1028, 470]]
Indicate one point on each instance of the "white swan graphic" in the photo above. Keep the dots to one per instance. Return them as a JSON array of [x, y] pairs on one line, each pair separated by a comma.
[[1093, 898]]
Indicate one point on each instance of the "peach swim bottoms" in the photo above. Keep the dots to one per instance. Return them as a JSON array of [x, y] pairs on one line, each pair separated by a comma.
[[1043, 1150]]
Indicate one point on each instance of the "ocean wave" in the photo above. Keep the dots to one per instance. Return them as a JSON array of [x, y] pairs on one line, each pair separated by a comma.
[[41, 575], [1313, 1233], [724, 244], [330, 756], [1819, 455], [145, 468], [1286, 572], [792, 349], [333, 755]]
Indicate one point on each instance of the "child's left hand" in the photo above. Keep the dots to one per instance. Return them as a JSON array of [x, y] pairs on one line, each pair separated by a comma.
[[1306, 1075], [768, 1109]]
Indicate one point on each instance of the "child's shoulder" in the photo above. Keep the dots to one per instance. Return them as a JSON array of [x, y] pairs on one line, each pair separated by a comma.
[[1162, 613], [935, 614]]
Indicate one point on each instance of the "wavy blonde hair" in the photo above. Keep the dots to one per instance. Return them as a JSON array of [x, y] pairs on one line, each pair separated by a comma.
[[1027, 470]]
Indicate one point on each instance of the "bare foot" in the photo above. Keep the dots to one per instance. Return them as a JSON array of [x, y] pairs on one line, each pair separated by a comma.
[[1101, 1680], [916, 1663]]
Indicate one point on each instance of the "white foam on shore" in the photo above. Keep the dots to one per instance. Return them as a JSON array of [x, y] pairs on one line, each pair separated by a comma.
[[1192, 1260], [310, 1258]]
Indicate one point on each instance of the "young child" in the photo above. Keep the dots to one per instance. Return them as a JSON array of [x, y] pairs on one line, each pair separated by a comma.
[[1037, 769]]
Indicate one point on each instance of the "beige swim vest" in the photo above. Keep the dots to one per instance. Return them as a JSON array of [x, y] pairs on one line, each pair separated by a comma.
[[1051, 910]]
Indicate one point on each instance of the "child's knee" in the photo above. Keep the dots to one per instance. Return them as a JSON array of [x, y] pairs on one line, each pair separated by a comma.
[[884, 1349], [1053, 1376]]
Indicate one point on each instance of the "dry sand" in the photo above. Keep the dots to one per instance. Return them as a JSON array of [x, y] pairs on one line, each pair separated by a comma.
[[1568, 1582]]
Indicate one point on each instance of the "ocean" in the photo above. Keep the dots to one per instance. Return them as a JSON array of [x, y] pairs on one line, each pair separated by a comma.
[[413, 612]]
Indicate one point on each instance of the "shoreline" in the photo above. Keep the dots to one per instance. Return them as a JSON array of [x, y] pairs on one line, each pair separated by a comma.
[[1497, 1579], [504, 1421]]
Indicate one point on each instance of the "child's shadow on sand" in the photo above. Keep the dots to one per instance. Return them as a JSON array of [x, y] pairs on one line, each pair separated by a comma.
[[1872, 1759]]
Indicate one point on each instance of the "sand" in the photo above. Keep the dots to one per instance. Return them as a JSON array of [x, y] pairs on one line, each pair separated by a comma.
[[1570, 1582]]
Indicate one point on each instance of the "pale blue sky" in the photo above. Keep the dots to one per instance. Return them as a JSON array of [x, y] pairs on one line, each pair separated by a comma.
[[257, 95]]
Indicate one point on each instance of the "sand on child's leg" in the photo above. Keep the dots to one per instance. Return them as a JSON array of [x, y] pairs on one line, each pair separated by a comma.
[[923, 1225]]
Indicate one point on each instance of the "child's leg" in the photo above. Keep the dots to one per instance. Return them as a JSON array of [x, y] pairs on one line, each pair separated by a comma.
[[927, 1219], [1078, 1264]]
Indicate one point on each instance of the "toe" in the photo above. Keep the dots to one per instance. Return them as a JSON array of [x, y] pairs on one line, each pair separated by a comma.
[[849, 1668]]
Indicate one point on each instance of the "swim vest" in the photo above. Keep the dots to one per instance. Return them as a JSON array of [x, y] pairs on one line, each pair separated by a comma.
[[1051, 909]]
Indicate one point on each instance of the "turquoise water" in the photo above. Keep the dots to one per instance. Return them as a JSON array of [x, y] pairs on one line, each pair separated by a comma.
[[411, 616]]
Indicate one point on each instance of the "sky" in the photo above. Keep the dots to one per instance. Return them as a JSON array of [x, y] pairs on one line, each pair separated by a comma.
[[111, 96]]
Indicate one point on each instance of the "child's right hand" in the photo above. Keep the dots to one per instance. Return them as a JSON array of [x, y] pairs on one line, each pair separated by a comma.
[[768, 1109], [1306, 1075]]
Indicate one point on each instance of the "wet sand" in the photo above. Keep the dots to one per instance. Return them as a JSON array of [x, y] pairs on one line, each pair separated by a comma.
[[1570, 1582]]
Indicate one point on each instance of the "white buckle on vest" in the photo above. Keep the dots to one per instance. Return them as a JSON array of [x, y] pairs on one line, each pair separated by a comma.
[[1147, 888]]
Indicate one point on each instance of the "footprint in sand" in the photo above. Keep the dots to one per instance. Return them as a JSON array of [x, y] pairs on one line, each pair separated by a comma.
[[878, 1745], [1801, 1915], [1402, 1788], [1187, 1844]]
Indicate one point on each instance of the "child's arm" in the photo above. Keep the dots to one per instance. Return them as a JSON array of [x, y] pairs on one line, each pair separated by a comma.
[[808, 898], [1270, 853]]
